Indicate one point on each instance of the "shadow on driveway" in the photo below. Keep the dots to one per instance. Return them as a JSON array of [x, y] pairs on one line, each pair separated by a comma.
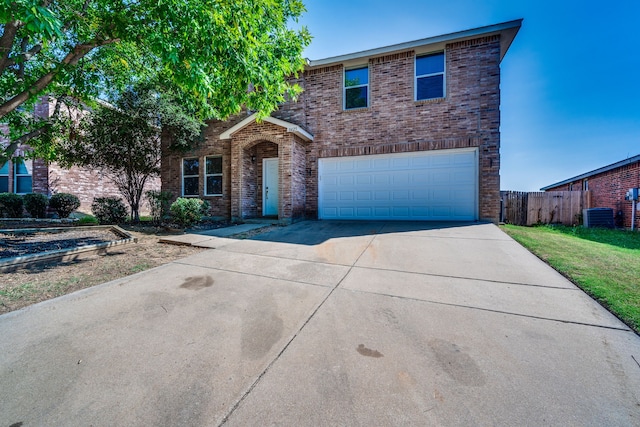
[[317, 232]]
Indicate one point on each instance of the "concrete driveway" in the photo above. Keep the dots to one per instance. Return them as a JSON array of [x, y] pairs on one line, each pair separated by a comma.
[[326, 323]]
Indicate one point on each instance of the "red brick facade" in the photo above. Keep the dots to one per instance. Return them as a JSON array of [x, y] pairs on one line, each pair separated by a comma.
[[608, 189], [467, 116]]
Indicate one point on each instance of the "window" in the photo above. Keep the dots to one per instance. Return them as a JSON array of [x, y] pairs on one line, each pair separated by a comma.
[[190, 177], [356, 88], [213, 176], [585, 185], [430, 76], [23, 170], [4, 178]]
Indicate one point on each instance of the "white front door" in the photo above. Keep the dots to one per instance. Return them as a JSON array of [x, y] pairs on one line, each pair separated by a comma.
[[269, 187]]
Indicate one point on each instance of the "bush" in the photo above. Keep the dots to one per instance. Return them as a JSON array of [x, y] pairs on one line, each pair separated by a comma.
[[36, 204], [159, 204], [205, 207], [11, 205], [64, 204], [88, 220], [186, 212], [109, 210]]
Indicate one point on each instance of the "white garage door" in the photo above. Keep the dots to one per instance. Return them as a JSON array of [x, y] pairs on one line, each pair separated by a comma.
[[426, 185]]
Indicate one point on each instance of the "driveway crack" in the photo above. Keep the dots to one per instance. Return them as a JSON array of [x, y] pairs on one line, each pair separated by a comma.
[[295, 335]]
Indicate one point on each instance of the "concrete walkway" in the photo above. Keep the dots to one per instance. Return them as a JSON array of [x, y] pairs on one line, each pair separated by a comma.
[[327, 323]]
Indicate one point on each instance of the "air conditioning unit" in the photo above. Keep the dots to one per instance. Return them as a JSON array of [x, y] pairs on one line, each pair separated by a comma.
[[598, 217]]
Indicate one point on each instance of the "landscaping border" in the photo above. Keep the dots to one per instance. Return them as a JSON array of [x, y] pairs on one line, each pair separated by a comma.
[[26, 261]]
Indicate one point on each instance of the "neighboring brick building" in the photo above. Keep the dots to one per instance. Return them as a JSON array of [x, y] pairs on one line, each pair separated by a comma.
[[410, 132], [608, 186], [23, 176]]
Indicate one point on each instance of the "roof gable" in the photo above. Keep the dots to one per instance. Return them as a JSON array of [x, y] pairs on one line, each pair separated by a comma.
[[507, 31], [290, 127]]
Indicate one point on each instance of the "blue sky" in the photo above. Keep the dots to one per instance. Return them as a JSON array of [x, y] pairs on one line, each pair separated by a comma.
[[570, 81]]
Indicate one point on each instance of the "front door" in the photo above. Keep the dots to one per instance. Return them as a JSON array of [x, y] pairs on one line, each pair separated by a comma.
[[270, 187]]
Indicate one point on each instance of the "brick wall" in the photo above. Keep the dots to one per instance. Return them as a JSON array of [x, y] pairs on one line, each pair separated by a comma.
[[212, 145], [609, 188]]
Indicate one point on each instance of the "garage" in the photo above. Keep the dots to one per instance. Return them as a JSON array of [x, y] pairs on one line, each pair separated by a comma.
[[439, 185]]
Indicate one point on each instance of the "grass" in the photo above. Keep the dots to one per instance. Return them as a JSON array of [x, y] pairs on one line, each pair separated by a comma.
[[32, 291], [604, 263]]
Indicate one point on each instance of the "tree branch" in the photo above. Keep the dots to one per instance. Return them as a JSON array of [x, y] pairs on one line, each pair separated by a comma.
[[13, 145], [6, 41], [72, 58], [26, 55]]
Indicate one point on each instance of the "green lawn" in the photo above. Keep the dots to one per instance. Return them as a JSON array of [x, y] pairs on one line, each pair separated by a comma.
[[604, 263]]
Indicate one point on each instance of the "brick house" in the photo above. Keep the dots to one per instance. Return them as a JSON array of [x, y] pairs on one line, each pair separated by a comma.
[[608, 186], [407, 132], [23, 176]]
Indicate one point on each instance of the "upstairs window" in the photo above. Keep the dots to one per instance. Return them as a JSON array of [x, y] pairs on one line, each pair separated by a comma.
[[23, 171], [4, 178], [190, 177], [213, 176], [356, 88], [430, 76]]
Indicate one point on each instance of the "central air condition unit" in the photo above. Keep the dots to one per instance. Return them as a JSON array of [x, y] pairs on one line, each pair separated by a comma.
[[598, 217]]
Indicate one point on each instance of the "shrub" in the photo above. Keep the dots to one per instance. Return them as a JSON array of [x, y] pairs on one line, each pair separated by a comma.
[[159, 204], [36, 204], [186, 212], [109, 210], [64, 204], [11, 205], [88, 220], [205, 207]]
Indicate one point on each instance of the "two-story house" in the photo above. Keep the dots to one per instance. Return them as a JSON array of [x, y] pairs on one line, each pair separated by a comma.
[[404, 132]]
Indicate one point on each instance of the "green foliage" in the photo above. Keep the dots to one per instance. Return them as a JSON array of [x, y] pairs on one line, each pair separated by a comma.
[[205, 208], [64, 204], [11, 205], [215, 56], [604, 263], [88, 220], [36, 204], [109, 210], [186, 212], [159, 203], [123, 141]]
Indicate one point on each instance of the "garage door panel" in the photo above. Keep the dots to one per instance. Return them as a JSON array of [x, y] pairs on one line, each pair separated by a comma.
[[382, 212], [401, 163], [331, 196], [433, 185], [381, 164], [399, 195], [346, 212], [363, 179]]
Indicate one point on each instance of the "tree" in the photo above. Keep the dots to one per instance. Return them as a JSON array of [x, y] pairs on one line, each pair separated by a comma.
[[123, 140], [218, 55]]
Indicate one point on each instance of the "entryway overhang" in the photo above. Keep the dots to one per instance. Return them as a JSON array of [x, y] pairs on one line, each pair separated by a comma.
[[290, 127]]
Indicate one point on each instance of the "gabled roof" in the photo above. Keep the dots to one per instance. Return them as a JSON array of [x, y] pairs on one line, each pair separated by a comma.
[[604, 169], [290, 127], [507, 31]]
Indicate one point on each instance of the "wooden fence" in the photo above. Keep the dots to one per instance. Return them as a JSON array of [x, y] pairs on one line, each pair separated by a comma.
[[552, 207]]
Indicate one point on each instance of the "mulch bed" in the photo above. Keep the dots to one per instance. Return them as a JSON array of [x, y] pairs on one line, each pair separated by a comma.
[[19, 244]]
